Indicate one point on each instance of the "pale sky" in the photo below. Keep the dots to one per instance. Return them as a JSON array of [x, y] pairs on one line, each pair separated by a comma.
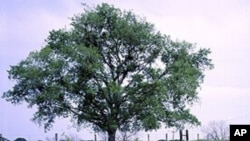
[[221, 25]]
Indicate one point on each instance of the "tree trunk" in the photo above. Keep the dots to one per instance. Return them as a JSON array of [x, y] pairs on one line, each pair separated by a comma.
[[111, 135]]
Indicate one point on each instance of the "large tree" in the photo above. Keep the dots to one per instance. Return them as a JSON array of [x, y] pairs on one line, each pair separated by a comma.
[[111, 70]]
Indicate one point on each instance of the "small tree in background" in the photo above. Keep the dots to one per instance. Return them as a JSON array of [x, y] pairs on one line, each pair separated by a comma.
[[103, 136], [111, 69], [20, 139], [216, 131], [70, 137], [126, 135]]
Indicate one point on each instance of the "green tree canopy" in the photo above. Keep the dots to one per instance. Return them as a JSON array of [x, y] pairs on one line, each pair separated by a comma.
[[111, 70]]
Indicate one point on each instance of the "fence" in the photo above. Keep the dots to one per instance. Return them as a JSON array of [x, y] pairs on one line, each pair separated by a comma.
[[182, 137]]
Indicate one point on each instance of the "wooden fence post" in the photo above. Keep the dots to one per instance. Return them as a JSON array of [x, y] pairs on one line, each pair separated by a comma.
[[56, 137], [181, 135], [187, 137], [148, 138], [198, 138], [95, 138], [166, 136], [173, 135]]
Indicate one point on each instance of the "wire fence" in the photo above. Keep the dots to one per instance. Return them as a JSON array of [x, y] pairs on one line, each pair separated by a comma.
[[183, 136]]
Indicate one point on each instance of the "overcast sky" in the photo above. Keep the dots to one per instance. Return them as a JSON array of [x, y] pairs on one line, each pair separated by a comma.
[[221, 25]]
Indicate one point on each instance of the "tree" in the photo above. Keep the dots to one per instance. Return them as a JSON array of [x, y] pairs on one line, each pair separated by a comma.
[[126, 135], [3, 138], [103, 136], [20, 139], [216, 131], [127, 132], [70, 137], [111, 69]]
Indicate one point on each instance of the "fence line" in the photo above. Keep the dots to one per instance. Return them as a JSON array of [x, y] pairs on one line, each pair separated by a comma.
[[182, 137]]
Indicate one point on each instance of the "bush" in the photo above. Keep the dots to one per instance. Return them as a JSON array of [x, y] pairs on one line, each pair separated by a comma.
[[20, 139]]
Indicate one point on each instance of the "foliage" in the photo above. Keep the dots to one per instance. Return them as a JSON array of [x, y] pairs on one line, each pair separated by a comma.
[[162, 140], [216, 131], [120, 135], [70, 137], [111, 70], [126, 132], [136, 139], [3, 138], [209, 140], [126, 135], [20, 139], [103, 136]]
